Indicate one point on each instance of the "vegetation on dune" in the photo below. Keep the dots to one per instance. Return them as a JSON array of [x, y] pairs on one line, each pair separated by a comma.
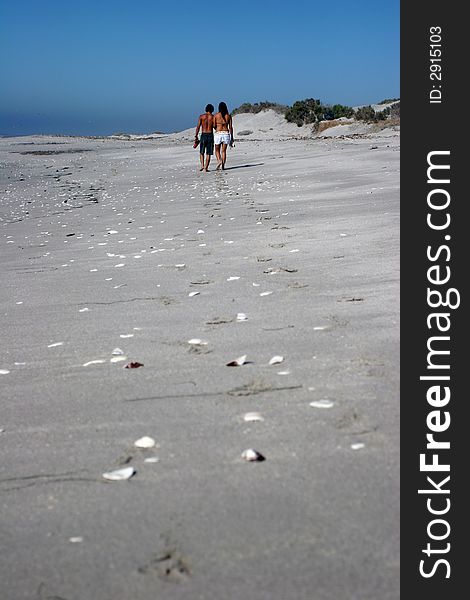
[[337, 111], [388, 100], [303, 112], [367, 113], [257, 107], [312, 111], [395, 110]]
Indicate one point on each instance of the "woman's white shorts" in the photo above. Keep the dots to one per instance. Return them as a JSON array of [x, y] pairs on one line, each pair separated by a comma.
[[221, 137]]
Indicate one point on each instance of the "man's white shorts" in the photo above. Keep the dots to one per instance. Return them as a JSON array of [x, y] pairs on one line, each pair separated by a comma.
[[221, 137]]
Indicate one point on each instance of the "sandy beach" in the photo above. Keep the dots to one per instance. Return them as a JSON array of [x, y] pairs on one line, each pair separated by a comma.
[[117, 251]]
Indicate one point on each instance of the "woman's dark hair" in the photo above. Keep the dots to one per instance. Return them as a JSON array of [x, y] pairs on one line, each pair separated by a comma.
[[209, 108], [223, 109]]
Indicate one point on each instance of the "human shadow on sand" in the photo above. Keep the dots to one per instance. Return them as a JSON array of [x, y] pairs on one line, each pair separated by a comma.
[[243, 166]]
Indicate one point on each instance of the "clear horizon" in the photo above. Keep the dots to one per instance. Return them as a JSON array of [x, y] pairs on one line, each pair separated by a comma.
[[108, 67]]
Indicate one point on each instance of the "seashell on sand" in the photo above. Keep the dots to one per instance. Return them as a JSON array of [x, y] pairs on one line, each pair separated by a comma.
[[120, 474], [116, 359], [252, 455], [253, 416], [357, 446], [322, 403], [238, 362], [197, 342], [144, 442]]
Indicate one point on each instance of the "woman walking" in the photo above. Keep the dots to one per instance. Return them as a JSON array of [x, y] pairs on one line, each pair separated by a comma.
[[223, 136]]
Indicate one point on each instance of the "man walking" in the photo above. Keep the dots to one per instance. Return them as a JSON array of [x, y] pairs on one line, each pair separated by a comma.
[[206, 146]]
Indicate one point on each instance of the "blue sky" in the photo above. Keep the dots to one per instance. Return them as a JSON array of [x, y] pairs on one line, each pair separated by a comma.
[[102, 66]]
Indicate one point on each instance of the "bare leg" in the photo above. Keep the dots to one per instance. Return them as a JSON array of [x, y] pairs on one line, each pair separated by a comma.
[[217, 155], [201, 158], [224, 155], [208, 160]]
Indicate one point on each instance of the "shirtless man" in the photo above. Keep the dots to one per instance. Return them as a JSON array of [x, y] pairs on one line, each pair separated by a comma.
[[207, 124], [223, 134]]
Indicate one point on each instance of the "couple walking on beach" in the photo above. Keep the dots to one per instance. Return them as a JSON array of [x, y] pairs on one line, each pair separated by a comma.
[[223, 136]]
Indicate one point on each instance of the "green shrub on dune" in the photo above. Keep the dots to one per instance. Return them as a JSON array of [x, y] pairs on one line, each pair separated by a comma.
[[312, 111], [337, 111], [257, 107], [367, 113], [388, 100], [304, 112]]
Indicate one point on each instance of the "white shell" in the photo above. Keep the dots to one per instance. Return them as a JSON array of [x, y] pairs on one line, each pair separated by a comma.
[[116, 359], [94, 362], [151, 459], [76, 540], [240, 360], [322, 403], [4, 371], [252, 455], [233, 278], [253, 416], [276, 360], [241, 317], [265, 293], [145, 442], [197, 342], [357, 446], [120, 474], [117, 351], [191, 294]]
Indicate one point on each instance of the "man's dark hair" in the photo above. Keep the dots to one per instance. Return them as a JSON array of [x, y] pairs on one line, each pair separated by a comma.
[[209, 108], [223, 109]]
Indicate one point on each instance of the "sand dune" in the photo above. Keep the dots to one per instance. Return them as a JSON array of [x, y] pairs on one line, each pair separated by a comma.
[[271, 125]]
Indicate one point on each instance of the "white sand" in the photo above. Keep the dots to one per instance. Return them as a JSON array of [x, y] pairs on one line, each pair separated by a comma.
[[127, 230]]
